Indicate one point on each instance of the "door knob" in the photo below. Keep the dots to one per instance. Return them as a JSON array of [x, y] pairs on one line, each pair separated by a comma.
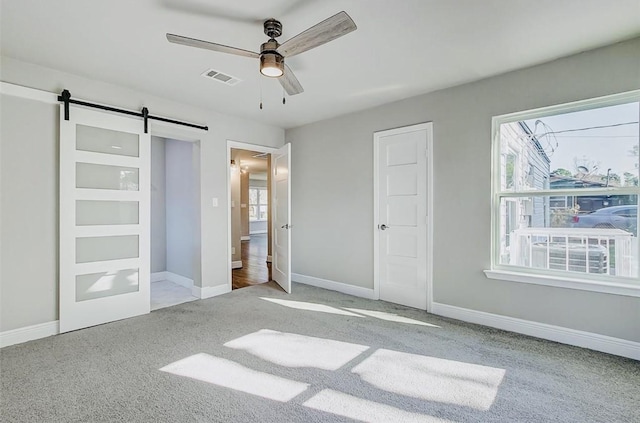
[[382, 227], [286, 226]]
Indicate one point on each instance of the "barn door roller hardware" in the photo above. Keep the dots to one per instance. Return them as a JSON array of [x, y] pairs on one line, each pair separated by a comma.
[[65, 97]]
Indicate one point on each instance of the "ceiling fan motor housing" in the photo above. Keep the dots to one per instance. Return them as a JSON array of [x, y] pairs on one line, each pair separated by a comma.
[[272, 28]]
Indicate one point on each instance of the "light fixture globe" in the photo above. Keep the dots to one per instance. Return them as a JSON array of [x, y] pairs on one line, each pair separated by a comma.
[[271, 62], [272, 65]]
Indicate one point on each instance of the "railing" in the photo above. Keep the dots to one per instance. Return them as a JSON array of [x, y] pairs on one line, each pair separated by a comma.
[[584, 250]]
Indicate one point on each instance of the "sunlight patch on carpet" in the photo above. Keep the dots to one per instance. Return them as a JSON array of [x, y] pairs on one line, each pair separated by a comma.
[[390, 317], [344, 405], [225, 373], [301, 305], [432, 379], [293, 350]]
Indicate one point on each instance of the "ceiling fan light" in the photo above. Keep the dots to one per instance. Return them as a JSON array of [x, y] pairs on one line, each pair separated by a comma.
[[272, 65]]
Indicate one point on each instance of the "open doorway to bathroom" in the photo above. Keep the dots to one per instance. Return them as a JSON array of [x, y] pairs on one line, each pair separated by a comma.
[[174, 202]]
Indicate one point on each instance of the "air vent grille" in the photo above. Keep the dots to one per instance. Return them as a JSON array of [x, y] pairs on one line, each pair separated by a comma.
[[221, 77]]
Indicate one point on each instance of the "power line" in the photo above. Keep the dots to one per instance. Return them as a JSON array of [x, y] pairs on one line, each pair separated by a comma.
[[613, 125]]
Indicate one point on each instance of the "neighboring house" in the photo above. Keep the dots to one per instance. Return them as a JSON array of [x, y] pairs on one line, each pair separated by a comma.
[[526, 165]]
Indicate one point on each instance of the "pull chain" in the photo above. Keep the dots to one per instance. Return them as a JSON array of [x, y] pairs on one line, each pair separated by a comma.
[[260, 92], [284, 101]]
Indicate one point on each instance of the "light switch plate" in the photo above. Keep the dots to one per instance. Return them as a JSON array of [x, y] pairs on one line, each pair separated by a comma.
[[214, 202]]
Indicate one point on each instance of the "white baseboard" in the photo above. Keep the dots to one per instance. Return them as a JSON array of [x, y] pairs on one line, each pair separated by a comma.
[[29, 333], [158, 276], [236, 264], [245, 238], [593, 341], [345, 288], [209, 291], [269, 259]]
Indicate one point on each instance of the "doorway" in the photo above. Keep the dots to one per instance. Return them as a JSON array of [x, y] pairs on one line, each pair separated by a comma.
[[173, 221], [250, 217], [277, 205]]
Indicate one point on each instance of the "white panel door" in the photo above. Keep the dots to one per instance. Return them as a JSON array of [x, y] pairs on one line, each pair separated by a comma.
[[281, 189], [104, 218], [402, 215]]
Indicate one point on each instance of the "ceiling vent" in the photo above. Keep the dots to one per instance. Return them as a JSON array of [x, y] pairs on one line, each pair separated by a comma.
[[221, 77]]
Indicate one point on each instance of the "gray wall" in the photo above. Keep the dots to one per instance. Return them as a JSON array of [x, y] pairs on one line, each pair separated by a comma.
[[28, 213], [29, 177], [332, 180], [158, 209], [180, 207]]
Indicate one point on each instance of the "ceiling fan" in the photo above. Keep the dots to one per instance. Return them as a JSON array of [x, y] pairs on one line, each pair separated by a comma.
[[272, 54]]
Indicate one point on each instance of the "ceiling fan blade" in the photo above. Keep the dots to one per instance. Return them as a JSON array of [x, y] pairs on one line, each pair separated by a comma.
[[192, 42], [289, 82], [336, 26]]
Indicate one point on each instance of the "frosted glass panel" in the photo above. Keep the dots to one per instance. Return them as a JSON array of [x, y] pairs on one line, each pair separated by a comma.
[[106, 212], [106, 284], [103, 248], [99, 140], [106, 177]]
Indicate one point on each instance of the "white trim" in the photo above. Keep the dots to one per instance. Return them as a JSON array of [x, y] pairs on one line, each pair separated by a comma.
[[179, 279], [258, 232], [593, 341], [106, 194], [428, 127], [107, 159], [356, 291], [242, 146], [108, 230], [209, 291], [28, 93], [562, 282], [158, 276], [105, 266], [245, 238], [29, 333], [236, 264]]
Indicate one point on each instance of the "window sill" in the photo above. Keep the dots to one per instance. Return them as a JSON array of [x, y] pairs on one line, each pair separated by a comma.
[[569, 283]]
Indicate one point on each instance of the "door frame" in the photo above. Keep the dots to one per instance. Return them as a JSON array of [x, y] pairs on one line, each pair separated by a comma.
[[240, 146], [428, 126]]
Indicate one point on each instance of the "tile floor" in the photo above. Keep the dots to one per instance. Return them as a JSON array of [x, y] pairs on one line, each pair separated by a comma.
[[167, 294]]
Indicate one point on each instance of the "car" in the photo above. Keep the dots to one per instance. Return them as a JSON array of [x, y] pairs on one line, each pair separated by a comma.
[[615, 217]]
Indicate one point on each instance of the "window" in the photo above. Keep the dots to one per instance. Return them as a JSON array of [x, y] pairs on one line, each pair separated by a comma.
[[565, 192], [258, 204]]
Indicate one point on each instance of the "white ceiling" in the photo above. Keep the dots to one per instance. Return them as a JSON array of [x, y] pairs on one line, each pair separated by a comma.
[[401, 48]]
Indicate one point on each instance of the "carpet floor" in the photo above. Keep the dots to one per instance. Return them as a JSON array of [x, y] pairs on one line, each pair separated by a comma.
[[260, 355]]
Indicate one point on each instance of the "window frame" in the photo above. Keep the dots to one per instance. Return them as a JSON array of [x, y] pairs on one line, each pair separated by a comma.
[[562, 279], [259, 203]]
